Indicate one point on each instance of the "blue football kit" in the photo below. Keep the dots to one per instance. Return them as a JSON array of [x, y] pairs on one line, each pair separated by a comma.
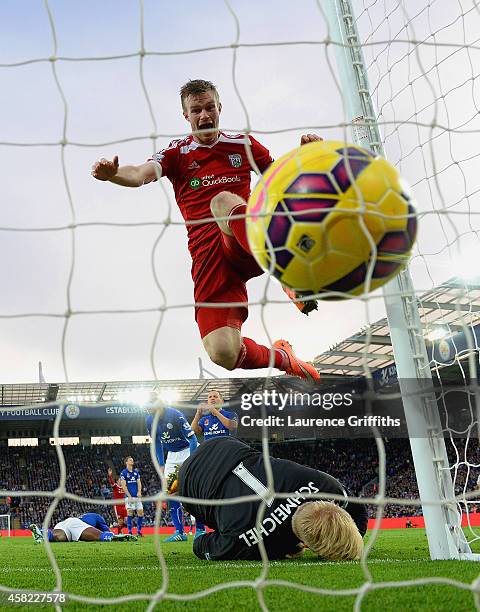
[[131, 480], [95, 520], [174, 435], [213, 427]]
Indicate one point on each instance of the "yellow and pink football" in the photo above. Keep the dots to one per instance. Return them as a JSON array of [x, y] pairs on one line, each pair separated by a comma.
[[326, 215]]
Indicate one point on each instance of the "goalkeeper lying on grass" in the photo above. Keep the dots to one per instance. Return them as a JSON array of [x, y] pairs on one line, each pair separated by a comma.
[[89, 527], [225, 468]]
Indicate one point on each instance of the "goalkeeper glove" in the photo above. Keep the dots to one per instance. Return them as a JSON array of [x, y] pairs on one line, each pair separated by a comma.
[[172, 482]]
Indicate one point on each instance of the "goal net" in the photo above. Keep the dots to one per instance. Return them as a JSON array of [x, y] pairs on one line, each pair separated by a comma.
[[5, 524], [97, 280], [437, 162]]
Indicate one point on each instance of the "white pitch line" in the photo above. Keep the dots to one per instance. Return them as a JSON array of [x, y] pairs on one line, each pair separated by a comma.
[[251, 564]]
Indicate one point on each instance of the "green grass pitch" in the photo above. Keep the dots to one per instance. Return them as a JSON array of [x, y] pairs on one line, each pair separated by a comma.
[[114, 569]]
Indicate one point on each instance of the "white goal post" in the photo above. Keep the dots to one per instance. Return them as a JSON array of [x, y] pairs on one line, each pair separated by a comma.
[[446, 539], [5, 523]]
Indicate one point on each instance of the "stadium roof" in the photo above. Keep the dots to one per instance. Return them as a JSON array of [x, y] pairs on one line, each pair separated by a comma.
[[34, 393], [136, 392], [448, 308]]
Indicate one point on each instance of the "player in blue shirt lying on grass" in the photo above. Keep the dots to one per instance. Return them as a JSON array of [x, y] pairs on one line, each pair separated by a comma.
[[213, 420], [89, 527], [174, 435]]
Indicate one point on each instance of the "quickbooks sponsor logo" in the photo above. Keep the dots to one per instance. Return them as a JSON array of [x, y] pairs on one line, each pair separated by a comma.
[[209, 180]]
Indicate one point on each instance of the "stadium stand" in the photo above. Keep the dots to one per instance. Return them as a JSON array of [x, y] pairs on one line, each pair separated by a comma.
[[111, 409], [355, 464]]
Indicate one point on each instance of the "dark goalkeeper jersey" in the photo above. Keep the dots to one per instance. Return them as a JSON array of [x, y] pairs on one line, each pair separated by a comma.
[[224, 468]]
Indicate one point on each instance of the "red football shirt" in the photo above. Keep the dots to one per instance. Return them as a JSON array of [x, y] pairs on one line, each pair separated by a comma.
[[117, 490], [199, 172]]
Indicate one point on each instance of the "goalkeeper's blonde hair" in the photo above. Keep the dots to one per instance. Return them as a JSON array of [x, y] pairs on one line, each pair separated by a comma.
[[328, 530]]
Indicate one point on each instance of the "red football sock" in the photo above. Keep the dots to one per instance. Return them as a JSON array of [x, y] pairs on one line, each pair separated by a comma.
[[119, 529], [239, 228], [253, 355]]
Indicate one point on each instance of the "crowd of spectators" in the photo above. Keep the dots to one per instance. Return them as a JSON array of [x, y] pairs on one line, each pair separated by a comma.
[[353, 462], [37, 469]]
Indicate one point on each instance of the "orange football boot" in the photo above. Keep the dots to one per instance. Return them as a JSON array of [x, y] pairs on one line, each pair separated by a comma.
[[297, 367], [304, 307]]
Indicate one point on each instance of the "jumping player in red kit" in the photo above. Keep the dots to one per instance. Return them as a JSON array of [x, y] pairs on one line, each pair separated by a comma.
[[210, 174], [118, 493]]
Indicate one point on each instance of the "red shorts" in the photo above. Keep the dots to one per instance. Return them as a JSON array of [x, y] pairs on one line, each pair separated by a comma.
[[120, 511], [234, 267]]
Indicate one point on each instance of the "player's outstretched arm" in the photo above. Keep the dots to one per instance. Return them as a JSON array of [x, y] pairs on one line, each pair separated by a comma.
[[127, 176], [110, 477]]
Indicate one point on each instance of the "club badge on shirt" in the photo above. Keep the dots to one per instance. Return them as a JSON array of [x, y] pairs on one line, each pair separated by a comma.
[[235, 160]]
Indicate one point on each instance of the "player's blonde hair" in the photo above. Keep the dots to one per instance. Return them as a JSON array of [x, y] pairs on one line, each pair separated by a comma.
[[197, 86], [328, 530]]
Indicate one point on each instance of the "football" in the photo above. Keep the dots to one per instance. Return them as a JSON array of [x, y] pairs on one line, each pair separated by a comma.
[[331, 217]]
